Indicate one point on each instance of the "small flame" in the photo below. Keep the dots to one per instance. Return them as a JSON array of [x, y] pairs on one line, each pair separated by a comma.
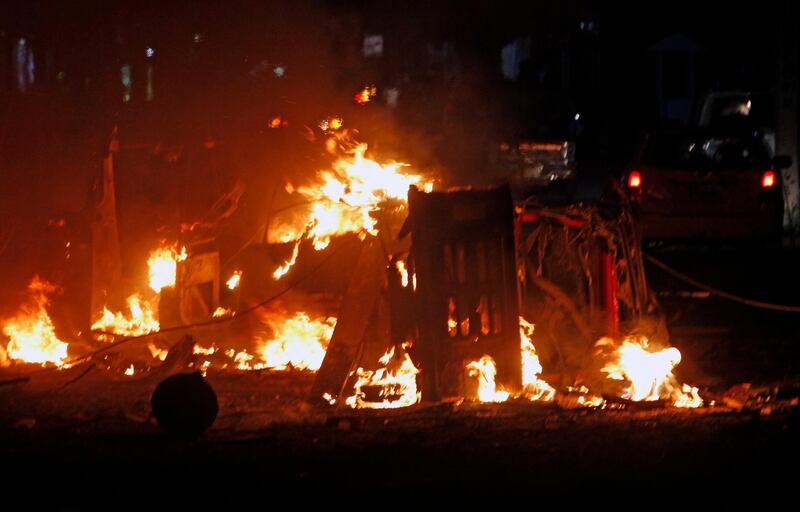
[[396, 383], [199, 349], [283, 269], [156, 352], [648, 372], [31, 333], [163, 265], [130, 370], [221, 312], [299, 342], [401, 267], [485, 370], [233, 282], [365, 95], [141, 319], [533, 387]]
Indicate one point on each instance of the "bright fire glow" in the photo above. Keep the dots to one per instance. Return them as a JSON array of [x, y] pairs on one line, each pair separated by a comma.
[[401, 267], [299, 342], [163, 265], [485, 370], [31, 333], [533, 387], [648, 372], [343, 198], [394, 384], [140, 319], [233, 282]]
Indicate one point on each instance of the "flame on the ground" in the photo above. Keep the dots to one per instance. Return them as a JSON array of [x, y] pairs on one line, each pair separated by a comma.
[[162, 266], [31, 333], [141, 318], [485, 370], [342, 200], [394, 384], [299, 342], [234, 280], [533, 388], [648, 372]]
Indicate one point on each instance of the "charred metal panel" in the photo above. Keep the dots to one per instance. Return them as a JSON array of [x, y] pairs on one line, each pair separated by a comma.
[[466, 295]]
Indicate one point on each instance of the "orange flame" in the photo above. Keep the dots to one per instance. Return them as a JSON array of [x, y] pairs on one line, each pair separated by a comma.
[[299, 342], [343, 199], [396, 383], [485, 370], [163, 265], [31, 333], [648, 372], [141, 319], [533, 388]]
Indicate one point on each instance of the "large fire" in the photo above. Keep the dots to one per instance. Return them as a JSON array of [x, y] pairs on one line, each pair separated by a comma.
[[299, 342], [342, 200], [648, 373], [162, 266], [141, 318], [392, 386], [31, 333]]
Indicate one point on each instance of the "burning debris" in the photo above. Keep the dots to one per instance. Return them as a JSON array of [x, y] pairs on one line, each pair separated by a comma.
[[392, 386]]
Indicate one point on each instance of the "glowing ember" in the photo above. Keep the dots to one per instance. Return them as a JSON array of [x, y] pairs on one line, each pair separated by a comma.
[[163, 265], [233, 282], [533, 387], [485, 370], [395, 384], [342, 199], [31, 333], [365, 95], [141, 319], [299, 342], [648, 372]]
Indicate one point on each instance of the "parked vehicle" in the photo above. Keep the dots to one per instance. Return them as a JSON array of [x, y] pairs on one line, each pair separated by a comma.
[[703, 184]]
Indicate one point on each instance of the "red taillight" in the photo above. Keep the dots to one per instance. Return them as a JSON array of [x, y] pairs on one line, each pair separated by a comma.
[[768, 179], [634, 179]]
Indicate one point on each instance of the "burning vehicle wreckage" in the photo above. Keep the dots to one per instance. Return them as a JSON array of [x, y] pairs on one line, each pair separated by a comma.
[[373, 291]]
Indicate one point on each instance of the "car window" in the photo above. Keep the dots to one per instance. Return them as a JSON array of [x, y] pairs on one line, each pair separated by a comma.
[[693, 152]]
